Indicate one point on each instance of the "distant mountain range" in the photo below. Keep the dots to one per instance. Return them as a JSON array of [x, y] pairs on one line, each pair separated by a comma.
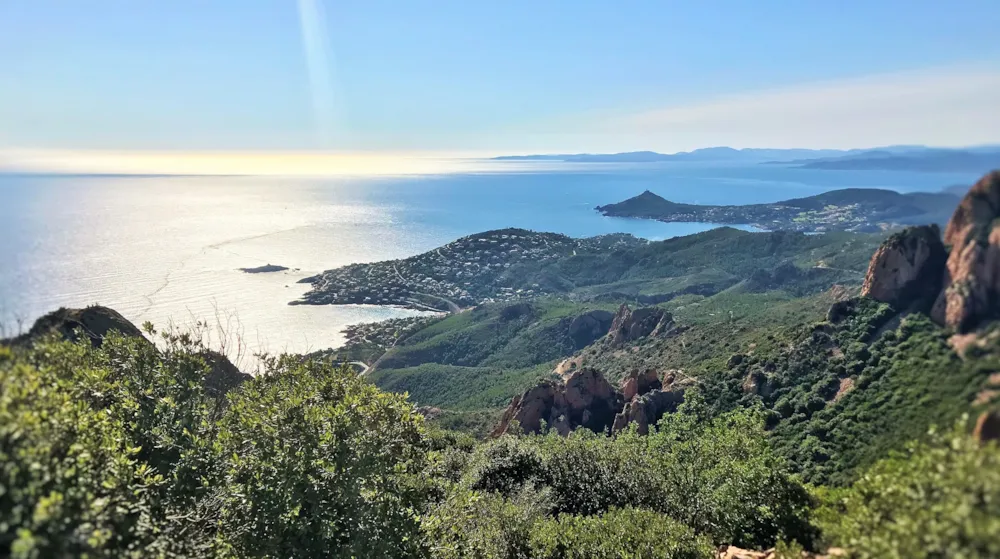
[[704, 154], [891, 158]]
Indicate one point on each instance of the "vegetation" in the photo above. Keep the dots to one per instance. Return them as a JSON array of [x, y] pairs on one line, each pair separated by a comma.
[[514, 264], [939, 498], [117, 449]]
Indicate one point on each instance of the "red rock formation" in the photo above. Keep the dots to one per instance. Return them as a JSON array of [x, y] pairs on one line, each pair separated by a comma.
[[972, 277], [650, 401], [629, 325], [638, 383], [906, 269], [987, 427], [586, 399], [589, 327]]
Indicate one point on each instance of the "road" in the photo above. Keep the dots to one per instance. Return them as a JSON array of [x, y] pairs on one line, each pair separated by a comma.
[[452, 307]]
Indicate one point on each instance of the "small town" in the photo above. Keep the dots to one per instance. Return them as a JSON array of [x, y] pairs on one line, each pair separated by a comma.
[[477, 269]]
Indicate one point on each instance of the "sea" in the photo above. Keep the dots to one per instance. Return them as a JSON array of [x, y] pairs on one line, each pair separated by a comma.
[[168, 249]]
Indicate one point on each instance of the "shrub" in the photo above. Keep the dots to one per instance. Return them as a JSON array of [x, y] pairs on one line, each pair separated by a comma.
[[628, 532], [936, 499], [319, 463], [505, 466], [484, 525]]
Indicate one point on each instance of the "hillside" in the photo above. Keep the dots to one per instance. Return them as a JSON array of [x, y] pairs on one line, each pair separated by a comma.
[[849, 209], [514, 264]]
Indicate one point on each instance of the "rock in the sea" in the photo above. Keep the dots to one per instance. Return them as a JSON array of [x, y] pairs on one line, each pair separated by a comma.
[[93, 323], [589, 327], [629, 325], [972, 277], [905, 271], [586, 399]]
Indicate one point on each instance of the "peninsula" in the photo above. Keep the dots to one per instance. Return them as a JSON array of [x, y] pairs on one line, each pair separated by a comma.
[[508, 265], [849, 209]]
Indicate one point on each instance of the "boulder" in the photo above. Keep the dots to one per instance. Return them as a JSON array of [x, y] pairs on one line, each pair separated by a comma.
[[93, 322], [905, 271], [628, 325], [589, 327], [971, 283]]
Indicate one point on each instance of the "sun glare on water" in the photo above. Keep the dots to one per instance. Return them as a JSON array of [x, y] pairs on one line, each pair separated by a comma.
[[303, 163]]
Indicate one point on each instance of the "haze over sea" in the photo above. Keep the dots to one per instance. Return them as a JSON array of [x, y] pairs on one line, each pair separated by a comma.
[[168, 248]]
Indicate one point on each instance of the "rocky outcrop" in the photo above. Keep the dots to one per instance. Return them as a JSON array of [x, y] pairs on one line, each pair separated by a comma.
[[93, 323], [647, 409], [987, 427], [637, 383], [589, 327], [905, 271], [971, 284], [586, 399], [222, 375], [652, 400], [628, 325], [733, 552]]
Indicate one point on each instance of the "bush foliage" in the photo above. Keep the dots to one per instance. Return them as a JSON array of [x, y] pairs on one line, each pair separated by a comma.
[[121, 451]]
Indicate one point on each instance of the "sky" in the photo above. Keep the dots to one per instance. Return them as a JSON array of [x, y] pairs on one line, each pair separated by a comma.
[[493, 77]]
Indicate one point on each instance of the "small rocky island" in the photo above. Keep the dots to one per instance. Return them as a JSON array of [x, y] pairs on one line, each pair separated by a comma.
[[849, 209], [481, 268], [265, 269]]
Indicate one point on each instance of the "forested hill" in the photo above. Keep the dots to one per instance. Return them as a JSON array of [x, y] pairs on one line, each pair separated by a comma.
[[849, 209]]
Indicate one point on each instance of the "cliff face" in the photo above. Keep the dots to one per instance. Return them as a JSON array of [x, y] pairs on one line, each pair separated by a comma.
[[906, 269], [912, 268], [972, 275]]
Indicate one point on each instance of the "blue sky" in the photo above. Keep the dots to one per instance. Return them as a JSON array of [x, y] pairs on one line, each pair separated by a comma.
[[492, 76]]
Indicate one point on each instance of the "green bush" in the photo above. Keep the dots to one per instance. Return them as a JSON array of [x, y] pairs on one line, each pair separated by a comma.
[[68, 484], [317, 462], [119, 451], [937, 499], [484, 525], [633, 533]]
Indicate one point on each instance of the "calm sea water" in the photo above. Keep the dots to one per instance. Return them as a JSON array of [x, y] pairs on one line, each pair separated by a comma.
[[167, 249]]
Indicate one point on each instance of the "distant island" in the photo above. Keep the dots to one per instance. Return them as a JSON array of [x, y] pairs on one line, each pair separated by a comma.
[[891, 158], [752, 155], [265, 269], [973, 160], [849, 209]]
